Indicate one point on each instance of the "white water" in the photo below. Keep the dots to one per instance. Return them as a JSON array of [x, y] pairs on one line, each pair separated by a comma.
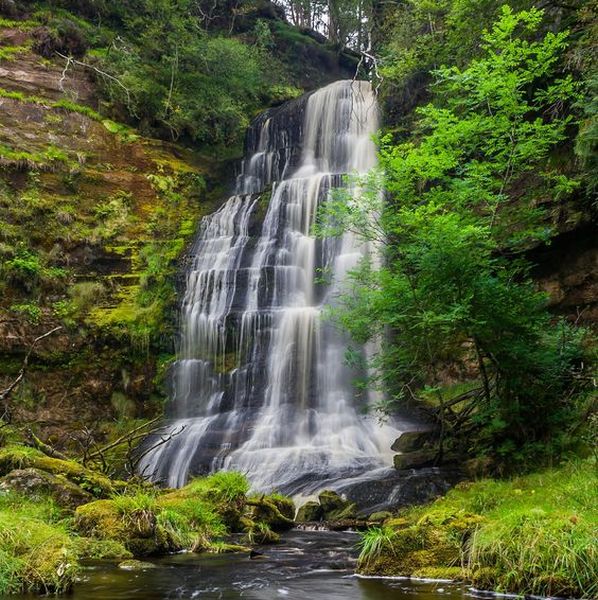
[[261, 384]]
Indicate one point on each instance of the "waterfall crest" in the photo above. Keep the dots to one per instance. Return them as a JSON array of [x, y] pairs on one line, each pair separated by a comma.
[[260, 384]]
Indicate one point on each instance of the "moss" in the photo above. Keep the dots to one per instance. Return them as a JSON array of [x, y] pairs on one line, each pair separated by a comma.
[[22, 457], [447, 573], [36, 554], [100, 519], [88, 547]]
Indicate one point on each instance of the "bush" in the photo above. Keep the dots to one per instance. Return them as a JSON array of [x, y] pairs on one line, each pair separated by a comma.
[[64, 37]]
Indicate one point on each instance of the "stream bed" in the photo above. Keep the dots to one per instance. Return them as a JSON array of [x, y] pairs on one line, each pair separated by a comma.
[[306, 565]]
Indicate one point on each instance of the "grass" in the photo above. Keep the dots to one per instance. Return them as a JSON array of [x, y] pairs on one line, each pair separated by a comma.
[[11, 52], [36, 554], [375, 542], [533, 534]]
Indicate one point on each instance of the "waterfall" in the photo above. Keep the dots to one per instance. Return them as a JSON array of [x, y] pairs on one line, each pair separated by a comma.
[[261, 384]]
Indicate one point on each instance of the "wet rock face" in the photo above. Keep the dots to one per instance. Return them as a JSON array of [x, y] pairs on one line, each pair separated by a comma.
[[396, 489], [35, 482], [409, 441], [415, 459]]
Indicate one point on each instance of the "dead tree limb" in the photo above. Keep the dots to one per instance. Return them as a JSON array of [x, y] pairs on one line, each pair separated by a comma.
[[4, 394]]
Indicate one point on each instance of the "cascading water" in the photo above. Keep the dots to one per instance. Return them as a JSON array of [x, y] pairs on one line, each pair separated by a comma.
[[261, 384]]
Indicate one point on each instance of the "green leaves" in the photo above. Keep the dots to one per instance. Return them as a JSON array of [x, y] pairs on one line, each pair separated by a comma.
[[450, 294]]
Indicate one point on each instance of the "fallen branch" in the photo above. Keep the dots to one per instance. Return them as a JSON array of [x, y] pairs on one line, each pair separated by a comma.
[[121, 440], [45, 448], [70, 60]]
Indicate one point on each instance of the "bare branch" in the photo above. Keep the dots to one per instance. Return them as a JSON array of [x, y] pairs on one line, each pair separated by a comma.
[[4, 394]]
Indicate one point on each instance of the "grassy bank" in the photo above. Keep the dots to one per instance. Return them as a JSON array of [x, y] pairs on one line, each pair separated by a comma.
[[534, 534], [54, 514]]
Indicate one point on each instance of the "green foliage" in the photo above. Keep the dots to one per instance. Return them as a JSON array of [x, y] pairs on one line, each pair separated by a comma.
[[172, 77], [35, 551], [29, 269], [11, 52], [374, 542], [533, 534], [30, 311], [453, 288]]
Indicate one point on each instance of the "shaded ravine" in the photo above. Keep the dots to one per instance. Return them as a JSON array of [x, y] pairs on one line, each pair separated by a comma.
[[261, 384]]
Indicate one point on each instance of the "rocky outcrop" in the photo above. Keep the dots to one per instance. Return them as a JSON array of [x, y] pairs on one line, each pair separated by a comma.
[[330, 507], [35, 483]]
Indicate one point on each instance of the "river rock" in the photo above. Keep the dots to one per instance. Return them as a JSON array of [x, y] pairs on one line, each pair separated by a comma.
[[136, 565], [310, 511], [33, 482], [330, 501], [410, 441]]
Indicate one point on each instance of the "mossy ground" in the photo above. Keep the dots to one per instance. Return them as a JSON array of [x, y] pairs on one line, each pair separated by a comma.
[[533, 534], [43, 543]]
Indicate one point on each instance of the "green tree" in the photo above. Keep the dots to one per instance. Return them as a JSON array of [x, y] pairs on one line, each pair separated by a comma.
[[454, 289]]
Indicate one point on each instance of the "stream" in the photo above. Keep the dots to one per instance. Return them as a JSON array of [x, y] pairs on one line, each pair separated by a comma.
[[306, 565]]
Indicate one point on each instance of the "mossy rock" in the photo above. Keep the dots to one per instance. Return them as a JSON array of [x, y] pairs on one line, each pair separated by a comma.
[[345, 513], [86, 548], [444, 573], [136, 565], [23, 457], [410, 441], [35, 483], [264, 509], [330, 501], [285, 505], [380, 517], [101, 519], [308, 512], [137, 532]]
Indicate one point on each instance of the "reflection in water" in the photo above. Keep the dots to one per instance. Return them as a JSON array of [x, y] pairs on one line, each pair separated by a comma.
[[307, 566]]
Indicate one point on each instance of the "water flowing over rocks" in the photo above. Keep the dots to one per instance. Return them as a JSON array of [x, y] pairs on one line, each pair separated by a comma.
[[261, 384]]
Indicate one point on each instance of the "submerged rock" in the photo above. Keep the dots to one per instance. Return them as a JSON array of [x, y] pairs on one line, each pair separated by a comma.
[[35, 483], [136, 565]]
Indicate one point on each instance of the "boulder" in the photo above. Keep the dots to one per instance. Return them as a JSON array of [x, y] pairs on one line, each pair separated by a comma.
[[410, 441], [33, 483], [414, 460], [330, 501], [310, 511]]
